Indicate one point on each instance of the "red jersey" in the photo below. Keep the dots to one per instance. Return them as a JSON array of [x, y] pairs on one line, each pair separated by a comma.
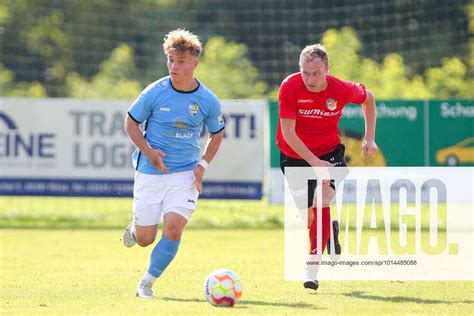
[[317, 114]]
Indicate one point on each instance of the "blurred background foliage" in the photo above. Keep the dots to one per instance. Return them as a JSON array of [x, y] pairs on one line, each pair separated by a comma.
[[113, 49]]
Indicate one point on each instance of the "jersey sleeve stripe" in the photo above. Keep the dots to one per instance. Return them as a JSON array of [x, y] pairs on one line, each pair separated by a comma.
[[218, 131], [131, 116]]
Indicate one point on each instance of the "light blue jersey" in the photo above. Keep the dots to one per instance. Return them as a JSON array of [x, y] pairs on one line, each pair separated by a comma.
[[173, 123]]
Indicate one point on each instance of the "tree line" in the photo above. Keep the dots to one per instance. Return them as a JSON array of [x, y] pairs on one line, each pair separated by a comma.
[[98, 49]]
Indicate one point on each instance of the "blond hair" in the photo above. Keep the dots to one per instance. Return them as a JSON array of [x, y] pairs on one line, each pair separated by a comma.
[[181, 40], [311, 52]]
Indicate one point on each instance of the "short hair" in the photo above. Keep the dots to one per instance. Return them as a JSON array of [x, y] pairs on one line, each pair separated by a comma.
[[311, 52], [181, 40]]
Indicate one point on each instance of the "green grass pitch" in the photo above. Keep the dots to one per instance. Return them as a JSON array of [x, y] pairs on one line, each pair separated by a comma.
[[70, 271], [64, 256]]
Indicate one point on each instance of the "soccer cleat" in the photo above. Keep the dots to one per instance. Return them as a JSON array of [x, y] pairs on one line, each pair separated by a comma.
[[335, 237], [144, 290], [311, 284], [127, 239]]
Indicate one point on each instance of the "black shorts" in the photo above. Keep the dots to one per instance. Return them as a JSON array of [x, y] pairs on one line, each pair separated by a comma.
[[336, 158]]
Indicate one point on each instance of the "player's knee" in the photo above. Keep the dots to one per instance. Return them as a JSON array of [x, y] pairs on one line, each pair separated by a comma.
[[145, 240], [328, 195], [173, 232], [325, 202]]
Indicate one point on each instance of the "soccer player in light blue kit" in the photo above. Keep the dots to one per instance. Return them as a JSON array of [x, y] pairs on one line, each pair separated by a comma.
[[169, 168]]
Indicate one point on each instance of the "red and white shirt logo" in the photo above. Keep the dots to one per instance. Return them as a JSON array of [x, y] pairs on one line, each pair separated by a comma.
[[331, 104]]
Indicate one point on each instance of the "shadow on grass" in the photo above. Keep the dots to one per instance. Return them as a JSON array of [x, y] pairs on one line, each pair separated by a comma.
[[401, 299], [245, 303]]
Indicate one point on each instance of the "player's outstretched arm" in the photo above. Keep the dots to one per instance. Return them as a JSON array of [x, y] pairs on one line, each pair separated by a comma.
[[210, 152], [369, 146], [136, 136]]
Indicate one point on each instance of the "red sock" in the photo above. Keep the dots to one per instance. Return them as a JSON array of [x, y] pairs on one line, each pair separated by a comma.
[[326, 227]]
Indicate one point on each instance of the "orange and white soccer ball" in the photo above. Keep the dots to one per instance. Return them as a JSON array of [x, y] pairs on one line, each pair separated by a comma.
[[223, 288]]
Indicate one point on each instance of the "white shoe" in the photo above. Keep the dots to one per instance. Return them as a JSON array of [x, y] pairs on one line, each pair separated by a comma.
[[144, 290], [127, 238]]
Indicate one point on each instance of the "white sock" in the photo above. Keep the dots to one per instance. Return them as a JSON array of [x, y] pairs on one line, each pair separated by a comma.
[[133, 231], [148, 278], [312, 268]]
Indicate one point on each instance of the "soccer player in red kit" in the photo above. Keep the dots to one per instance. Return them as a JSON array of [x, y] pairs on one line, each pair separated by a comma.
[[310, 106]]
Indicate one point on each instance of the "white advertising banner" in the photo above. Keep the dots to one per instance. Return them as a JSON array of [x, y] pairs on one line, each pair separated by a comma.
[[79, 148]]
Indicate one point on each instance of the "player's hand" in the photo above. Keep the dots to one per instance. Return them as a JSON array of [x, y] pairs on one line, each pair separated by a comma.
[[369, 147], [322, 163], [156, 158], [199, 174]]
